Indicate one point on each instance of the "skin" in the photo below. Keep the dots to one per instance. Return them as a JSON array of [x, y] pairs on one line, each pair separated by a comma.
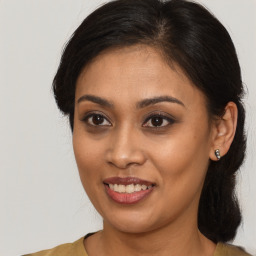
[[174, 156]]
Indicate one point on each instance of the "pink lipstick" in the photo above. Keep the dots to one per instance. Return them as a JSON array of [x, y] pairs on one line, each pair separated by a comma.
[[128, 190]]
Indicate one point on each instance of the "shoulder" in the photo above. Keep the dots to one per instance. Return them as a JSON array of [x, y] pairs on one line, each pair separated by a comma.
[[229, 250], [75, 248]]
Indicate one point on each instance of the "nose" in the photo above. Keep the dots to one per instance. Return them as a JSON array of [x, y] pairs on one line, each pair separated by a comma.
[[125, 149]]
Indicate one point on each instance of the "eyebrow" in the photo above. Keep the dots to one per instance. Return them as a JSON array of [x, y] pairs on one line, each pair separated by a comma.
[[96, 99], [141, 104], [155, 100]]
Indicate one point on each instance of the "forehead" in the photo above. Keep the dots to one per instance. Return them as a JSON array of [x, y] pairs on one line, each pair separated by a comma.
[[135, 72]]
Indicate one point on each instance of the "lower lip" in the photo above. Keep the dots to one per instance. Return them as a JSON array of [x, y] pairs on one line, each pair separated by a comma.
[[128, 198]]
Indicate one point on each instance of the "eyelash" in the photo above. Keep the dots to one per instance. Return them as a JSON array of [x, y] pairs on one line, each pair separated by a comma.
[[91, 115], [163, 118]]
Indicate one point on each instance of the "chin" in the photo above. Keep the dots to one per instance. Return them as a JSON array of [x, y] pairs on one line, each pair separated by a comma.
[[132, 228], [131, 222]]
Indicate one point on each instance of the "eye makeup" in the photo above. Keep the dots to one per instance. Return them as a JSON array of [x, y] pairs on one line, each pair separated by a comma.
[[96, 119], [158, 120]]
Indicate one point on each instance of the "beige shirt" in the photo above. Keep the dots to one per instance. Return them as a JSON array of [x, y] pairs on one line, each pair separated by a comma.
[[77, 249]]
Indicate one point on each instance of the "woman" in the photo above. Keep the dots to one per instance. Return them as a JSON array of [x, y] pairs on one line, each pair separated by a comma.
[[153, 93]]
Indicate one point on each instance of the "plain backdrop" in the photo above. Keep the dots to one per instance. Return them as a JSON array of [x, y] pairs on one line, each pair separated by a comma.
[[42, 202]]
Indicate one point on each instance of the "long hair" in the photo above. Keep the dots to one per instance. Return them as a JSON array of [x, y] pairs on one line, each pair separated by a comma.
[[190, 36]]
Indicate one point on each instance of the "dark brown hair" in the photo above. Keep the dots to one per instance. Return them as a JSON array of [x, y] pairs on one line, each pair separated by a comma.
[[190, 36]]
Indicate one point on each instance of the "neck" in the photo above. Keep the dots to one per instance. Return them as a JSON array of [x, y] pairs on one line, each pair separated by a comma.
[[177, 239]]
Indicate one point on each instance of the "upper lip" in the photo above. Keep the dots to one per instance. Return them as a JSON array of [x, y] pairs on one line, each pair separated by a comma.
[[127, 181]]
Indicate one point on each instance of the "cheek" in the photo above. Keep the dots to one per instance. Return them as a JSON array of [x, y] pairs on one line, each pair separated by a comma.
[[89, 162], [183, 160], [88, 156]]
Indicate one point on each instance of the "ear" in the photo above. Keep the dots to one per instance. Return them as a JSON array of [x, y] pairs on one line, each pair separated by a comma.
[[224, 129]]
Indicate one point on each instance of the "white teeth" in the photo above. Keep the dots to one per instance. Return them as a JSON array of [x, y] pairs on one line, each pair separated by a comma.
[[116, 188], [137, 187], [122, 188], [131, 188], [144, 187]]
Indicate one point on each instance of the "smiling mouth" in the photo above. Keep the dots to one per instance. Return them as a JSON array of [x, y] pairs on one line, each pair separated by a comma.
[[131, 188], [127, 190]]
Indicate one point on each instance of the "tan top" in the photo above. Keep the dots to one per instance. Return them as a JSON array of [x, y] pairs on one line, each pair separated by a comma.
[[77, 249], [70, 249]]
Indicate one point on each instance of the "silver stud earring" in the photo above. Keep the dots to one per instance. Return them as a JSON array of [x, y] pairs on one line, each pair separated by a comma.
[[217, 154]]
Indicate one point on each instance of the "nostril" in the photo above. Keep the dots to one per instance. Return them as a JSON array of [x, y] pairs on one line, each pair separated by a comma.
[[125, 158]]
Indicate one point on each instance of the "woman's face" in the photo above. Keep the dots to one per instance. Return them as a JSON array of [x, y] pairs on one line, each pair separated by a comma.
[[141, 139]]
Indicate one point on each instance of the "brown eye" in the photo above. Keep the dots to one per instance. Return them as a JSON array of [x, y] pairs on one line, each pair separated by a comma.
[[97, 120], [158, 121]]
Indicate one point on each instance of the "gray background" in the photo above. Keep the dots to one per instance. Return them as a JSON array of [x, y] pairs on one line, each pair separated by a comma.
[[42, 202]]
